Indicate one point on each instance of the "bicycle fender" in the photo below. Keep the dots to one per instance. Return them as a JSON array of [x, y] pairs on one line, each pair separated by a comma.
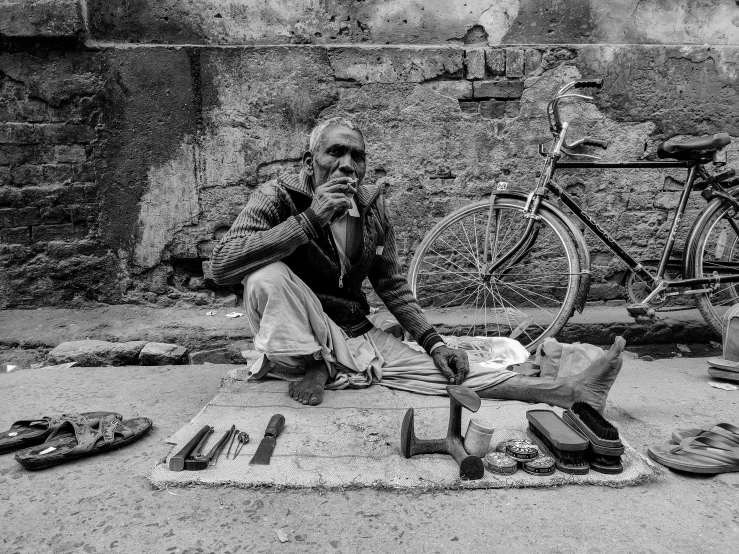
[[690, 241], [582, 247]]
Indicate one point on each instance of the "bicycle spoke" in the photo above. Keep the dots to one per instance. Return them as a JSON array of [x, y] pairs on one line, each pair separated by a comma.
[[531, 296]]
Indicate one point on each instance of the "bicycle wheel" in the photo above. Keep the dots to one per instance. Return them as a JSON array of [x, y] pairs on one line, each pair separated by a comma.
[[529, 300], [717, 252]]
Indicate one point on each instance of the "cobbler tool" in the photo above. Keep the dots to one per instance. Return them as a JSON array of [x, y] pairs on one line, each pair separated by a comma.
[[470, 467], [177, 462], [562, 442], [242, 439], [606, 448], [264, 451], [231, 433], [233, 438], [198, 462]]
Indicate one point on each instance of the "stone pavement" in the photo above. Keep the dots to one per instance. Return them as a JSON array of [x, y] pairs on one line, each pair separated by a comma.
[[27, 336], [105, 504]]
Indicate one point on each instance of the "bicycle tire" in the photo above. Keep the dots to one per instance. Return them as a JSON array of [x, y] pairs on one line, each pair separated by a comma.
[[716, 245], [554, 248]]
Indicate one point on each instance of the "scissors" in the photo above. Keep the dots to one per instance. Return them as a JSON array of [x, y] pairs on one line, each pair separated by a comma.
[[242, 438]]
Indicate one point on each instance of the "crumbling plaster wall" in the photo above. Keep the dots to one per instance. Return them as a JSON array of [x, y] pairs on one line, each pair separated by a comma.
[[131, 138]]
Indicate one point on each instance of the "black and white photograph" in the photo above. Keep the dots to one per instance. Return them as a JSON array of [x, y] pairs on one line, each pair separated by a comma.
[[369, 276]]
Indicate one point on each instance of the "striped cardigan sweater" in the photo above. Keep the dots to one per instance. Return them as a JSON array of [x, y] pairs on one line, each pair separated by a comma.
[[277, 224]]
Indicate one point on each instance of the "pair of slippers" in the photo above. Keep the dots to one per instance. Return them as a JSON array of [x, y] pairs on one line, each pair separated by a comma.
[[711, 449], [50, 441], [727, 366]]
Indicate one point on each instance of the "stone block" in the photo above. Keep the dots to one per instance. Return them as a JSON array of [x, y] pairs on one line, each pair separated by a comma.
[[10, 196], [12, 154], [226, 355], [84, 212], [27, 174], [495, 61], [475, 63], [512, 108], [604, 291], [229, 301], [667, 200], [497, 89], [41, 18], [514, 62], [454, 89], [97, 353], [532, 60], [207, 271], [492, 109], [19, 217], [196, 283], [5, 173], [69, 153], [54, 215], [671, 184], [65, 133], [161, 353], [18, 133], [469, 107], [61, 250], [63, 232], [395, 65], [17, 235]]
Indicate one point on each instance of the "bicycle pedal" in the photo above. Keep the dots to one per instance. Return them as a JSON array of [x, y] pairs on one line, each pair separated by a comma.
[[641, 311]]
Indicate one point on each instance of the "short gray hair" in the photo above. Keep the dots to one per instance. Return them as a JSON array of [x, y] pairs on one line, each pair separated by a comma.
[[317, 133]]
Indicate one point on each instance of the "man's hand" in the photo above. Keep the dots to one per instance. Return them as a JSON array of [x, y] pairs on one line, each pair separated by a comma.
[[453, 363], [331, 199]]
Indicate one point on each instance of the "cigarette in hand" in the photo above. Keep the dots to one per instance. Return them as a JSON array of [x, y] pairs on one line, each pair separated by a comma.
[[353, 210]]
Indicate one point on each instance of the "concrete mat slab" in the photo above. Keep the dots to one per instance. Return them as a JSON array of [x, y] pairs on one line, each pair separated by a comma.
[[353, 440]]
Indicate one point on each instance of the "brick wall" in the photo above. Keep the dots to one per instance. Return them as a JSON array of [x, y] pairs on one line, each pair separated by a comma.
[[132, 133], [50, 104]]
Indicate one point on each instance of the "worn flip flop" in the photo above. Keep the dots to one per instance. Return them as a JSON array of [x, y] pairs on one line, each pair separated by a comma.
[[30, 432], [697, 455], [73, 440], [722, 432]]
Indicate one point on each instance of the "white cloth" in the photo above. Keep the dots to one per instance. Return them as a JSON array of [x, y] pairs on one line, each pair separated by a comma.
[[292, 330]]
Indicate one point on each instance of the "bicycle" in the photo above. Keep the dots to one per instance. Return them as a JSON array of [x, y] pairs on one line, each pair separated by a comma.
[[517, 264]]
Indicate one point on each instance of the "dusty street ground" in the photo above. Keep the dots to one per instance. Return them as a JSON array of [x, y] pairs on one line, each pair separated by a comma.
[[105, 504]]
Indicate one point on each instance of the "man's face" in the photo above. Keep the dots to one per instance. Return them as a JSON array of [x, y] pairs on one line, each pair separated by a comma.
[[340, 153]]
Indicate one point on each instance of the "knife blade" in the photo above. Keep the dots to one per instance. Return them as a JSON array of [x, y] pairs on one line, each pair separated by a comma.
[[264, 451]]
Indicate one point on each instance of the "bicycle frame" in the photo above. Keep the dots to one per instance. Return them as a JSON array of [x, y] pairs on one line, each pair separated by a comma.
[[546, 185]]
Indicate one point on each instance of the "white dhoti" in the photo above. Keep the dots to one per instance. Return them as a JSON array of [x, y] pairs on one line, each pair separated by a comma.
[[291, 330]]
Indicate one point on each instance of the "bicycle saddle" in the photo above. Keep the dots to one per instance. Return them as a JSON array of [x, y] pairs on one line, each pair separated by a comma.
[[690, 149]]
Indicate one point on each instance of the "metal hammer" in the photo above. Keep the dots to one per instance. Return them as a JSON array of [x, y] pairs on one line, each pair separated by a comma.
[[470, 467]]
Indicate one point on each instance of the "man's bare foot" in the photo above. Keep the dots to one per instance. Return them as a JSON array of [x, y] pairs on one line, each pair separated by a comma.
[[594, 384], [309, 390]]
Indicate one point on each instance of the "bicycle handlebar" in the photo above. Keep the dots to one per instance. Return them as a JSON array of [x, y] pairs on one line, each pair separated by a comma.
[[553, 109], [596, 142]]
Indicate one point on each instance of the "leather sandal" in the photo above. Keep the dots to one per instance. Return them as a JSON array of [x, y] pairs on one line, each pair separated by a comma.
[[722, 432], [30, 432], [73, 439], [697, 455]]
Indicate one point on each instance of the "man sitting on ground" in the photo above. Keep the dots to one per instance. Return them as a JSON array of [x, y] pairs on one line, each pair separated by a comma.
[[304, 244]]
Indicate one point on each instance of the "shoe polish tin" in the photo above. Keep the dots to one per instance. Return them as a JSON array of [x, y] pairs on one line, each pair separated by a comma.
[[543, 465], [519, 450], [500, 463]]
